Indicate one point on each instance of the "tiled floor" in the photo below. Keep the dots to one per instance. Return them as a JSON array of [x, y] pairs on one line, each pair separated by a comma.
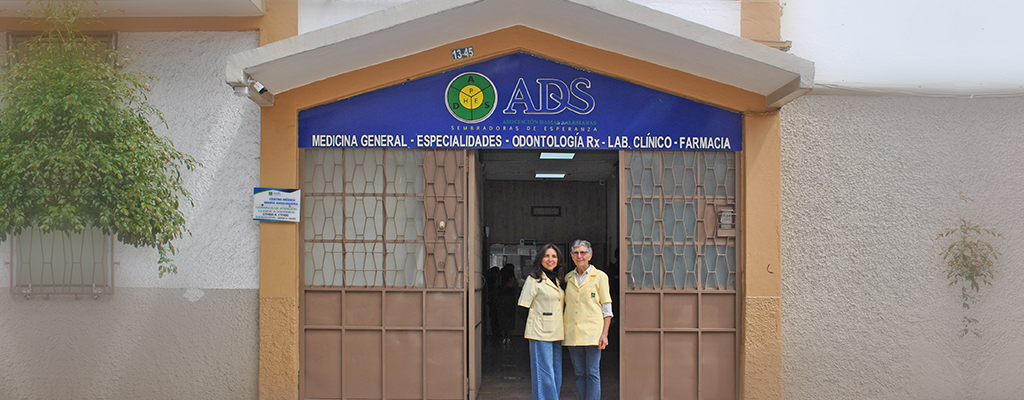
[[506, 372]]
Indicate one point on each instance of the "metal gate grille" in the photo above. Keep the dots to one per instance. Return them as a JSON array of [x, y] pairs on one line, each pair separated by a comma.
[[383, 274], [680, 309]]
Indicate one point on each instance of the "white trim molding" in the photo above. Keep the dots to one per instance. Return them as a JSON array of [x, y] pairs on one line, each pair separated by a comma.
[[617, 26]]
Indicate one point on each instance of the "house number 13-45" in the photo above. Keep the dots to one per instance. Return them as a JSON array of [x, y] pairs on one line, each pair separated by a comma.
[[464, 52]]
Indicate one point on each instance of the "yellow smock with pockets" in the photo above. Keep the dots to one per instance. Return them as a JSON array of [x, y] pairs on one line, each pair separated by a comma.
[[545, 301], [584, 320]]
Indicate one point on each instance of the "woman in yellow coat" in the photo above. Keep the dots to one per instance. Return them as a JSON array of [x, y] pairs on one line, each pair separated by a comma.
[[544, 295], [588, 315]]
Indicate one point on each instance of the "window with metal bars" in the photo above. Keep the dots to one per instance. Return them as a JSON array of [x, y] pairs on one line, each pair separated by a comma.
[[363, 218], [680, 220], [61, 262]]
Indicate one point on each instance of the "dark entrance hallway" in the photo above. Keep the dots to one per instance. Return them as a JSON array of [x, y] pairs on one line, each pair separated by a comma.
[[506, 372], [584, 205]]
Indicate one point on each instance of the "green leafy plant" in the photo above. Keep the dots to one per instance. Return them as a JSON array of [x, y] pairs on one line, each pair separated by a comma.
[[969, 262], [76, 146]]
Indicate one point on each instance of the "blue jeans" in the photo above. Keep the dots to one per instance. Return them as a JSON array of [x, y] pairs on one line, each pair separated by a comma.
[[545, 369], [586, 363]]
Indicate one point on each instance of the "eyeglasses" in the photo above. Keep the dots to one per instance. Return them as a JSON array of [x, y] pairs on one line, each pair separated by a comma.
[[580, 253]]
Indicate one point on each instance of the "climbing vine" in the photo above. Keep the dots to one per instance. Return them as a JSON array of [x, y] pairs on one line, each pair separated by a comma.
[[970, 262]]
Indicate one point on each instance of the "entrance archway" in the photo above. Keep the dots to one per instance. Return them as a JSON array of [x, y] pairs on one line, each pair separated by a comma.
[[710, 67]]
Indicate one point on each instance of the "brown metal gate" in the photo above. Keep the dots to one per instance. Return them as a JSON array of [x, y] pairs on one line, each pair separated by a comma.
[[680, 305], [383, 308]]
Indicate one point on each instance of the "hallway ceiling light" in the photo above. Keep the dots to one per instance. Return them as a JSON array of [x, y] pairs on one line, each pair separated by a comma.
[[557, 156], [550, 175]]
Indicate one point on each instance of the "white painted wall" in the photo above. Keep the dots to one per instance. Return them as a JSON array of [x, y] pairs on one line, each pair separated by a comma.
[[723, 15], [316, 14], [206, 121], [908, 42], [868, 184]]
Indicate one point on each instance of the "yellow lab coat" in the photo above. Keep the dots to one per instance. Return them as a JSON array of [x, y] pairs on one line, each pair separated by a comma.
[[584, 320], [545, 301]]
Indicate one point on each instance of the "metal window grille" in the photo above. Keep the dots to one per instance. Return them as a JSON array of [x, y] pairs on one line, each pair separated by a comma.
[[674, 204], [364, 218], [62, 263]]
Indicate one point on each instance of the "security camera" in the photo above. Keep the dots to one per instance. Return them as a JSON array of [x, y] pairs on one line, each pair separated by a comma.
[[259, 87]]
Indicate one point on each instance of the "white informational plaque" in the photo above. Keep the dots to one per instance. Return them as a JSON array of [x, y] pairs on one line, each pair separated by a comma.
[[279, 205]]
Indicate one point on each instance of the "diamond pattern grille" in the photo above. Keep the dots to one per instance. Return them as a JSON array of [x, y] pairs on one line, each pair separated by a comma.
[[444, 200], [374, 217], [673, 203], [384, 300]]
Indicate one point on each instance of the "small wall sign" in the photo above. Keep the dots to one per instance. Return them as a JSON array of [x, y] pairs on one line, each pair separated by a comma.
[[277, 205]]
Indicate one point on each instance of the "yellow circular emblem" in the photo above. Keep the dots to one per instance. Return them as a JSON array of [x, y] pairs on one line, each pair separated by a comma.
[[471, 97]]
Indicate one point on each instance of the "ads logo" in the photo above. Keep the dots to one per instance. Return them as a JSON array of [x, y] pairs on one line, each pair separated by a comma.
[[470, 97]]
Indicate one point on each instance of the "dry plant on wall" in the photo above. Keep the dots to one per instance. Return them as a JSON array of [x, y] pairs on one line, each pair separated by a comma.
[[77, 150], [969, 262]]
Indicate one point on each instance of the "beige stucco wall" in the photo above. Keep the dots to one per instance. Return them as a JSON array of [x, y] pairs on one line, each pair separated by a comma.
[[136, 344], [868, 183]]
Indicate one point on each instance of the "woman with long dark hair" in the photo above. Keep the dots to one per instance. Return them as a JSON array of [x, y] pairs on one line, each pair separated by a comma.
[[544, 295]]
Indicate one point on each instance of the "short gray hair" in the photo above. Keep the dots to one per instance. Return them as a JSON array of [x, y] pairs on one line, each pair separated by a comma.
[[580, 242]]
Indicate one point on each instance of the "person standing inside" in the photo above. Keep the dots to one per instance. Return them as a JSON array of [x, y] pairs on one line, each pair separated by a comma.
[[588, 315], [543, 294], [508, 293]]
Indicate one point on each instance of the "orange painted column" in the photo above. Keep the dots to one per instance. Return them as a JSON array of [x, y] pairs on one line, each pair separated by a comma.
[[760, 19], [279, 241], [761, 348], [281, 21], [279, 260]]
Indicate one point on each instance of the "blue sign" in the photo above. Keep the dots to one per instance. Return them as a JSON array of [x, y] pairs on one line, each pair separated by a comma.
[[520, 101]]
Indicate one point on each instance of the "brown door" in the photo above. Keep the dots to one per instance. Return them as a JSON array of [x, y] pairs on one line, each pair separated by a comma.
[[679, 334], [383, 308]]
